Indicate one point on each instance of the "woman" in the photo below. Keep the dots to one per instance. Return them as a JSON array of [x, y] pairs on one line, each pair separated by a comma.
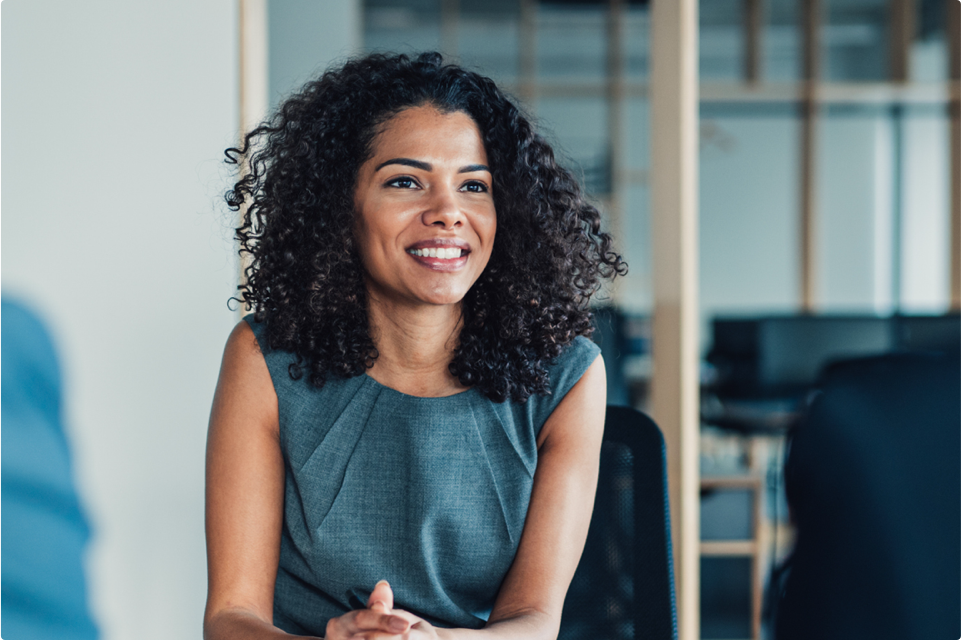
[[405, 434]]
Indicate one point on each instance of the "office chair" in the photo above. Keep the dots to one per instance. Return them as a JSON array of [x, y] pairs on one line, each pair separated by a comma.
[[872, 481], [624, 587]]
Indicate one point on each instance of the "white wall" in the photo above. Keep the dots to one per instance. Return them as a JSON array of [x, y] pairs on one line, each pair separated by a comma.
[[115, 117]]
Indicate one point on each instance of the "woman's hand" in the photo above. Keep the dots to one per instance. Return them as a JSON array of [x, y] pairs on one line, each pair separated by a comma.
[[379, 621]]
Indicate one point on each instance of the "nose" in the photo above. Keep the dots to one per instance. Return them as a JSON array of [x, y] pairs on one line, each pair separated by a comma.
[[444, 210]]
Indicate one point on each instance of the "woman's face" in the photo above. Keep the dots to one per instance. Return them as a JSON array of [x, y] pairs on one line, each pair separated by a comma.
[[425, 208]]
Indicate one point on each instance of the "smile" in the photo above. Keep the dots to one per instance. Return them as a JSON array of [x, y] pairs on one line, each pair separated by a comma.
[[443, 253], [440, 258]]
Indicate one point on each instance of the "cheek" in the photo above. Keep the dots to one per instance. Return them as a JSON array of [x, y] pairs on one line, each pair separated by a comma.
[[490, 231], [365, 240], [487, 235], [376, 237]]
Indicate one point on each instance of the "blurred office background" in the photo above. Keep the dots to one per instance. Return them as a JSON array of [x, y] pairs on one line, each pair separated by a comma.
[[826, 184]]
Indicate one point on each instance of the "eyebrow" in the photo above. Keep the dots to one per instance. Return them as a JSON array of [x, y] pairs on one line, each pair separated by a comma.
[[425, 166]]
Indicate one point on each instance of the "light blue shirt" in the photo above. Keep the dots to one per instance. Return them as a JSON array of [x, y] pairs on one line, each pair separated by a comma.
[[44, 529]]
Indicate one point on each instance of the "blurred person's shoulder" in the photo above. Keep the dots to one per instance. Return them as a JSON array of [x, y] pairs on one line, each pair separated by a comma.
[[29, 360]]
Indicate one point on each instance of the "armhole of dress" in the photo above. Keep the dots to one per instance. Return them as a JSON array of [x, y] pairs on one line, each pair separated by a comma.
[[582, 353]]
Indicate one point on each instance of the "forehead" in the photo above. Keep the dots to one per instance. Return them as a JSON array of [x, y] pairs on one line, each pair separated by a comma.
[[424, 133]]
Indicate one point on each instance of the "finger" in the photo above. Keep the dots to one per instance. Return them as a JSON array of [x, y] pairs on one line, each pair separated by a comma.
[[382, 593], [365, 621], [416, 623], [383, 635], [378, 635], [374, 620]]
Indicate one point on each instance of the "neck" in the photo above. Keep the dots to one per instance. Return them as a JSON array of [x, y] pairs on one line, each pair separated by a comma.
[[415, 344]]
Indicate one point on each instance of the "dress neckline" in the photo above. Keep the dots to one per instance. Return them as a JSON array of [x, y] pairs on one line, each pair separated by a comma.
[[408, 396]]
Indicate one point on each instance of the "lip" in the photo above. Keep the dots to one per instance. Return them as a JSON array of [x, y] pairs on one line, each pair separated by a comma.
[[441, 264]]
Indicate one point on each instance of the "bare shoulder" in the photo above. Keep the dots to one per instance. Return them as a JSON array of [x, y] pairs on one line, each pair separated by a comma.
[[245, 383], [580, 416], [241, 343]]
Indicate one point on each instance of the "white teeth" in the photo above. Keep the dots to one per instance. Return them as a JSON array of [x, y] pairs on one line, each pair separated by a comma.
[[437, 252]]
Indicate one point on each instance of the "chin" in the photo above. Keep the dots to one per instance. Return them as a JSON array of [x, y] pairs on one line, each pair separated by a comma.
[[442, 296], [443, 300]]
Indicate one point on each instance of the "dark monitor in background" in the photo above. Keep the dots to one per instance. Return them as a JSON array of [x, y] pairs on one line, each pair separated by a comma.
[[609, 324], [624, 338], [793, 350], [781, 356], [929, 333]]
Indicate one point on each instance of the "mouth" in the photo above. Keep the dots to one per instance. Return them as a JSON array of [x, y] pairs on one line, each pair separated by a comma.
[[440, 254]]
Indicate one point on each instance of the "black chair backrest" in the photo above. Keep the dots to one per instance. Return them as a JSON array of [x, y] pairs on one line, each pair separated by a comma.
[[624, 586], [872, 480]]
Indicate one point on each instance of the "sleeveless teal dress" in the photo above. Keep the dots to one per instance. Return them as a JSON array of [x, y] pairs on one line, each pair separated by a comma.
[[429, 494]]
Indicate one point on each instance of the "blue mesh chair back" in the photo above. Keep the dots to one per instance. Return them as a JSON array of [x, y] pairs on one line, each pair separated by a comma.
[[624, 586]]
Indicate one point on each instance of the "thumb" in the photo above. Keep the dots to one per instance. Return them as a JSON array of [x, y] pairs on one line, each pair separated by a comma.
[[382, 597]]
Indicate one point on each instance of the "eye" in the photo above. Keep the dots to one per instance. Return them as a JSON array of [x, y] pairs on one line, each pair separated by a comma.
[[404, 182], [475, 187]]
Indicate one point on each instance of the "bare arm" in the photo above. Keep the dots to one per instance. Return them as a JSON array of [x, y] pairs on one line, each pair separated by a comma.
[[245, 485], [245, 501]]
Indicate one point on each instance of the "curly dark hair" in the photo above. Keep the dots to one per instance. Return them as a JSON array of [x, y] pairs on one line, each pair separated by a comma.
[[305, 278]]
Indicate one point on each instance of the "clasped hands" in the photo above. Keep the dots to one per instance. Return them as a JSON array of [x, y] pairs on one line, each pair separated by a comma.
[[379, 621]]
